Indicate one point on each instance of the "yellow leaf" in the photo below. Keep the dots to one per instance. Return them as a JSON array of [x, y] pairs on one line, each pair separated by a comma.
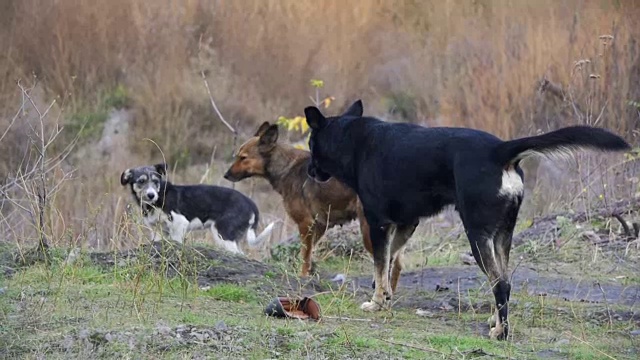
[[327, 102], [291, 125], [304, 125]]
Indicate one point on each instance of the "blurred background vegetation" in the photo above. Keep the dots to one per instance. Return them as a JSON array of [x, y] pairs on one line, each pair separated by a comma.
[[123, 71]]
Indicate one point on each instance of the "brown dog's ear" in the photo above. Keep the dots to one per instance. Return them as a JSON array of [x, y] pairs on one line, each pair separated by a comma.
[[161, 168], [269, 138], [126, 177], [261, 130]]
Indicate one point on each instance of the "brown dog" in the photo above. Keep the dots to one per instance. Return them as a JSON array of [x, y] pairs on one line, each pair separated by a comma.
[[313, 206]]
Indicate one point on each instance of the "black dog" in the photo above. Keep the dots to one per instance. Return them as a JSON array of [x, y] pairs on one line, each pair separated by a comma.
[[178, 209], [403, 172]]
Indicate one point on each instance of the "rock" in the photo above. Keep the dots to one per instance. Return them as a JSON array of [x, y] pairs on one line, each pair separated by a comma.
[[198, 335], [163, 330], [635, 332], [467, 259], [591, 236], [446, 306], [83, 334], [424, 313], [339, 278], [221, 326]]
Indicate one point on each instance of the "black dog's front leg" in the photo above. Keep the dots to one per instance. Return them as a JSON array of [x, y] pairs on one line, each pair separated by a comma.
[[381, 257]]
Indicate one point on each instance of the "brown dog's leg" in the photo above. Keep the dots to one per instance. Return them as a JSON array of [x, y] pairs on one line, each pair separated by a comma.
[[366, 235], [309, 233], [364, 229], [402, 235]]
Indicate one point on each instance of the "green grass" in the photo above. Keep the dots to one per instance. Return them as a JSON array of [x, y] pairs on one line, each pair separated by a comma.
[[230, 292], [86, 311]]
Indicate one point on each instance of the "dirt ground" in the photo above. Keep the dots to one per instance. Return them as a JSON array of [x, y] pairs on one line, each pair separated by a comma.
[[440, 288]]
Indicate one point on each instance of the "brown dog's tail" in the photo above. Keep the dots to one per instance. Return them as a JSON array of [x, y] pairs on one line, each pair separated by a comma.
[[559, 142]]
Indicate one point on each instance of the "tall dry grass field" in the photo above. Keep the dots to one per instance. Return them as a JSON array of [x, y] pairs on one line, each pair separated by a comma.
[[465, 63]]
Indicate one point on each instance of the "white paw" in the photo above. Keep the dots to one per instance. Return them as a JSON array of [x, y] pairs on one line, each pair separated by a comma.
[[370, 306], [496, 333]]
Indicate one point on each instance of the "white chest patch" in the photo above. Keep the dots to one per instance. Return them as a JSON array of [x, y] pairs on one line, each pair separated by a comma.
[[194, 224], [512, 184], [154, 217]]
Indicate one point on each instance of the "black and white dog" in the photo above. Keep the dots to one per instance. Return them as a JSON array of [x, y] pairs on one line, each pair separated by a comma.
[[405, 172], [178, 209]]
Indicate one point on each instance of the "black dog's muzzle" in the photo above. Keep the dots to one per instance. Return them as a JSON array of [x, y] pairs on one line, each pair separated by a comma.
[[317, 174]]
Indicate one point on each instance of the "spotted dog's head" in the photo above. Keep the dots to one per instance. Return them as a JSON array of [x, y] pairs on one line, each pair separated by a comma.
[[145, 182]]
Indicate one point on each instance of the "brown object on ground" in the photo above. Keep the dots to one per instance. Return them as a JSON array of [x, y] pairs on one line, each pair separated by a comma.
[[305, 308]]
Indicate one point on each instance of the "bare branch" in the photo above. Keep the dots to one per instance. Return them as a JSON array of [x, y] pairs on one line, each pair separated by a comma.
[[213, 104]]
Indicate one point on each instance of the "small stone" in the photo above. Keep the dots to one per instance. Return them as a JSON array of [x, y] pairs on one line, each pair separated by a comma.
[[2, 291], [446, 306], [83, 334], [591, 236], [163, 329], [467, 259], [424, 313], [221, 326], [635, 332], [339, 278]]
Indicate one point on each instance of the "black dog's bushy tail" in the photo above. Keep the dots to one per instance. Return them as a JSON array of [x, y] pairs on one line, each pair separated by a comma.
[[559, 142]]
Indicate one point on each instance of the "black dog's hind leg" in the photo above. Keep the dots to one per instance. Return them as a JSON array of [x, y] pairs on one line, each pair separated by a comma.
[[381, 256], [489, 225]]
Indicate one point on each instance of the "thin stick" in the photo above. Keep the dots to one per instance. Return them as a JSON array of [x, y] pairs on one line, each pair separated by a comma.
[[213, 104], [206, 85], [345, 318]]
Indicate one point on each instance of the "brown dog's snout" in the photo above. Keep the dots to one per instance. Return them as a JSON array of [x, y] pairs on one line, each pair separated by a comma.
[[229, 176]]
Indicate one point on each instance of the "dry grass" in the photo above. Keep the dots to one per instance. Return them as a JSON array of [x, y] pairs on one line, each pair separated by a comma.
[[455, 62]]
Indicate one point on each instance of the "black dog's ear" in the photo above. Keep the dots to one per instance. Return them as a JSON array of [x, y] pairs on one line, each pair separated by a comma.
[[355, 109], [269, 137], [126, 177], [161, 168], [262, 129], [315, 119]]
